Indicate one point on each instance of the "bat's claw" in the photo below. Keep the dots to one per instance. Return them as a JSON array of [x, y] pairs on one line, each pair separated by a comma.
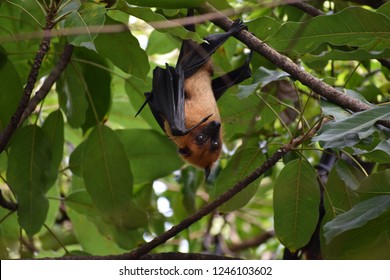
[[237, 26]]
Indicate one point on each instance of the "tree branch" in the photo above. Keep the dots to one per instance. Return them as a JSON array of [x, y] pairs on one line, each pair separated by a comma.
[[7, 204], [286, 64], [49, 82], [208, 208], [309, 9], [44, 47], [252, 242]]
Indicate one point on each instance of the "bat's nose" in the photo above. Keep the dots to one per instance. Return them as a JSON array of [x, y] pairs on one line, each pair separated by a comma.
[[212, 129]]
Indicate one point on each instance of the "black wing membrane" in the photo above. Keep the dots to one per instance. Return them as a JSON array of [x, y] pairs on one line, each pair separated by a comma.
[[193, 56], [236, 76], [166, 100]]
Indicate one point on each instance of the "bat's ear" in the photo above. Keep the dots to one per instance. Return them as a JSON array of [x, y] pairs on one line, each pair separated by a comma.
[[207, 172]]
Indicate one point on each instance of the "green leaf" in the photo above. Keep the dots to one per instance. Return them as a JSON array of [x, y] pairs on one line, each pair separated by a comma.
[[147, 148], [248, 115], [80, 22], [358, 216], [239, 166], [135, 89], [352, 26], [10, 83], [155, 46], [75, 160], [340, 190], [81, 202], [375, 184], [350, 131], [72, 94], [28, 174], [90, 237], [373, 237], [350, 175], [158, 20], [106, 171], [53, 127], [97, 85], [263, 27], [331, 109], [127, 54], [261, 78], [296, 204]]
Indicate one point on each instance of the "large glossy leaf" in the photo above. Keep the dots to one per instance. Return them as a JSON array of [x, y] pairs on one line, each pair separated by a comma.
[[100, 227], [353, 26], [155, 46], [127, 54], [296, 204], [97, 85], [263, 27], [373, 237], [262, 77], [72, 92], [240, 165], [151, 154], [10, 90], [247, 115], [89, 15], [340, 191], [357, 216], [28, 174], [350, 131], [377, 183], [53, 127], [106, 171], [89, 236]]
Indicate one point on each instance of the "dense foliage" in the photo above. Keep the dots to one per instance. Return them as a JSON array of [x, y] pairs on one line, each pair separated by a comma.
[[81, 175]]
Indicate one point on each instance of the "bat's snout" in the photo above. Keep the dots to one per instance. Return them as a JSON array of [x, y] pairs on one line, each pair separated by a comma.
[[213, 129]]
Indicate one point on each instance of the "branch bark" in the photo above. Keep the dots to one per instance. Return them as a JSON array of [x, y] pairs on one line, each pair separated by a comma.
[[285, 63], [49, 81], [44, 47], [307, 8]]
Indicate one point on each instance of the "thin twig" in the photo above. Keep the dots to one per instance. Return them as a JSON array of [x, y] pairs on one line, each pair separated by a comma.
[[9, 130], [49, 82], [10, 205], [309, 9]]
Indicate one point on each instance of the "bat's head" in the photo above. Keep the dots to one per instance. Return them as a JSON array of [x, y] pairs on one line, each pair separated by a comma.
[[202, 146]]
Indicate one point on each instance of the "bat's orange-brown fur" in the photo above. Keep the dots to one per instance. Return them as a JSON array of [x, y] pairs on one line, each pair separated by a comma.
[[199, 103]]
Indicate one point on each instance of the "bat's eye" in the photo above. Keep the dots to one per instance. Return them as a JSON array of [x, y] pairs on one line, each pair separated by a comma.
[[214, 145], [200, 139]]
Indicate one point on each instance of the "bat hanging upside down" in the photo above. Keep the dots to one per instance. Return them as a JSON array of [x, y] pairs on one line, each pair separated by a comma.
[[184, 98]]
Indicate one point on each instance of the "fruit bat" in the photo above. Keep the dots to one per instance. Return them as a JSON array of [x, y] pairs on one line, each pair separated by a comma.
[[183, 99]]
